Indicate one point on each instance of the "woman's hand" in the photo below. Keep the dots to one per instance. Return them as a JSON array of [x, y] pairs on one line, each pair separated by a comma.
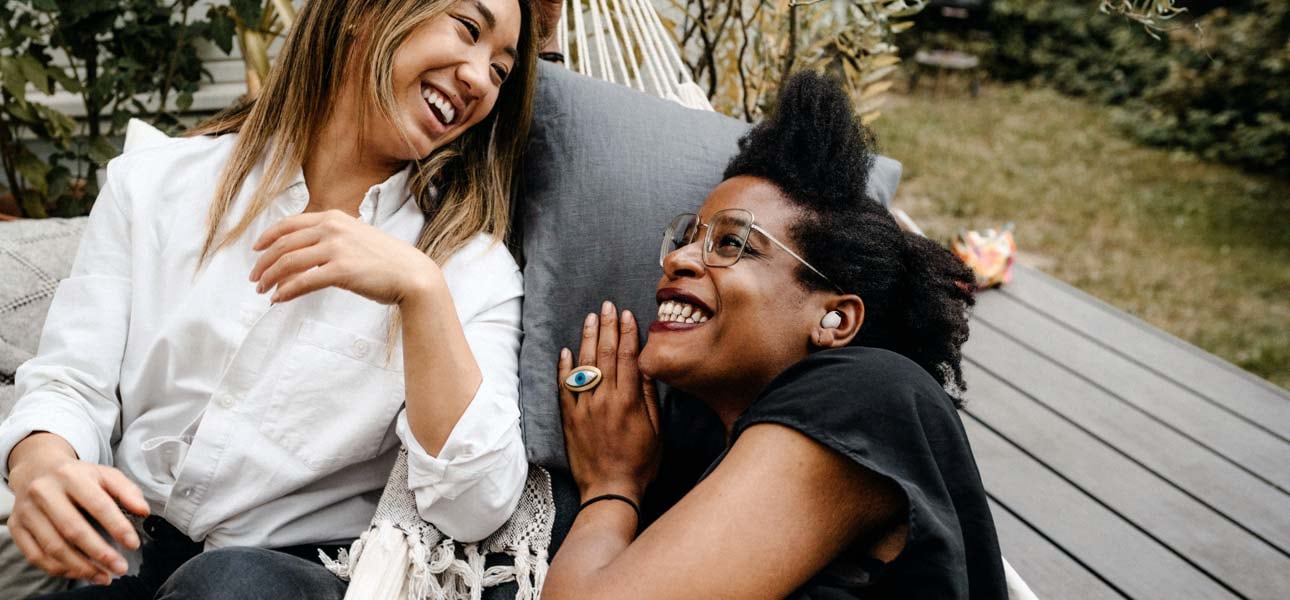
[[53, 493], [611, 431], [311, 251]]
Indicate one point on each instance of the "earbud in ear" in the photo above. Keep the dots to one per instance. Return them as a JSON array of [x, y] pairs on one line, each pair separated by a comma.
[[832, 320]]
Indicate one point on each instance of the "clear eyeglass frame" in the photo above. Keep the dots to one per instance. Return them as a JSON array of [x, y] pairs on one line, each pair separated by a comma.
[[725, 237]]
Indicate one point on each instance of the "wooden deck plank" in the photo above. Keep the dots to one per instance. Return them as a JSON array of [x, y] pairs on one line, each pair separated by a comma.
[[1049, 571], [1209, 540], [1220, 484], [1189, 366], [1090, 532], [1258, 450]]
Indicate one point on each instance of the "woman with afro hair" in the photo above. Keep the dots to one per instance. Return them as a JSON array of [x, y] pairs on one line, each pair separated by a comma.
[[827, 342]]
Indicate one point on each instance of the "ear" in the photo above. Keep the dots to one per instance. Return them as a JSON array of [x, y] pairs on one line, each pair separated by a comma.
[[851, 309]]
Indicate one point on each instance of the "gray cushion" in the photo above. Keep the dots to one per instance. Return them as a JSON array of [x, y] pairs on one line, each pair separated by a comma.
[[606, 169], [35, 254]]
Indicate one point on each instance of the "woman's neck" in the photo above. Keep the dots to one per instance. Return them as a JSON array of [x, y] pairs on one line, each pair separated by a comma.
[[337, 171]]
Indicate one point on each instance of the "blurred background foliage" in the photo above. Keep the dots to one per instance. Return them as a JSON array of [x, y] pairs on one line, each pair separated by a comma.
[[120, 58], [1214, 81]]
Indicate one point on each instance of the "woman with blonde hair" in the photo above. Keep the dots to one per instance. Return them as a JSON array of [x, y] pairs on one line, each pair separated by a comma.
[[259, 315]]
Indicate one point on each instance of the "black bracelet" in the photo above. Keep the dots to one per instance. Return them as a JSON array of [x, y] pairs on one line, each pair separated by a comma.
[[552, 56], [629, 501]]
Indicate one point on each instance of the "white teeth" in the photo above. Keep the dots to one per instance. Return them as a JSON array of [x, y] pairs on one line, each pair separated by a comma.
[[437, 100], [680, 312]]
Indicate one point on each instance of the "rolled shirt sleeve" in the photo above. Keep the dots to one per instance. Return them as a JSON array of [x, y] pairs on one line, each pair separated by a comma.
[[475, 482], [69, 387]]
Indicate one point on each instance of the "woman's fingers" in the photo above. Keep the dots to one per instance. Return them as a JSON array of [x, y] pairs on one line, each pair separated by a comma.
[[286, 226], [64, 560], [628, 343], [301, 238], [127, 493], [590, 336], [301, 283], [291, 263], [77, 530], [563, 367], [607, 345]]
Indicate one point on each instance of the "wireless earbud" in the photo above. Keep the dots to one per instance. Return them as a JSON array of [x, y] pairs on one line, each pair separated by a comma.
[[831, 320]]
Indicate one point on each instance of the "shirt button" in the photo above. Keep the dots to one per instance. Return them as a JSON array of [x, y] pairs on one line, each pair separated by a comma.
[[225, 400], [360, 349], [188, 492]]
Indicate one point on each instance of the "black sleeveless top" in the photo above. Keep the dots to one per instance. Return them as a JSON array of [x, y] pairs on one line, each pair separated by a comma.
[[887, 414]]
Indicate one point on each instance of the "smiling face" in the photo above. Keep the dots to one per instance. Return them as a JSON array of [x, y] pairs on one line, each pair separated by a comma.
[[730, 330], [447, 76]]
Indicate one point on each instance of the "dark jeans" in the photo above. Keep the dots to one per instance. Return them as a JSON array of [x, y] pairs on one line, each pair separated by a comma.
[[174, 567]]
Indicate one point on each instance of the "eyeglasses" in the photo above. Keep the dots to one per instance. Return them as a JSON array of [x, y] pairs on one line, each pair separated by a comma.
[[725, 239]]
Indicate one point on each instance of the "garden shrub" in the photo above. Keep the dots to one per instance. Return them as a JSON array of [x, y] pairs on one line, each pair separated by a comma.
[[1226, 95], [1214, 83]]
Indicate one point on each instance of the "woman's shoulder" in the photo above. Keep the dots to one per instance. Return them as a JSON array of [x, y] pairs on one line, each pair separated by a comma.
[[482, 273], [484, 253], [163, 152], [170, 168], [874, 375], [853, 397]]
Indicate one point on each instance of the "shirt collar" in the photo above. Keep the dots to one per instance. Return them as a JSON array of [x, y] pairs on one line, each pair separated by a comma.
[[379, 203]]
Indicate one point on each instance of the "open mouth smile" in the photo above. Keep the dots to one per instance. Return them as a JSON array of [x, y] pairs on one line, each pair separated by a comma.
[[678, 311], [442, 109]]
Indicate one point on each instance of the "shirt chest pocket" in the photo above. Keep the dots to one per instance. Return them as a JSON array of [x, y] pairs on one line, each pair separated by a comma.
[[337, 398]]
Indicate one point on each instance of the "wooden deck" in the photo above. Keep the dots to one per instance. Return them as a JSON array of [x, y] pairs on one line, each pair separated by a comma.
[[1122, 462]]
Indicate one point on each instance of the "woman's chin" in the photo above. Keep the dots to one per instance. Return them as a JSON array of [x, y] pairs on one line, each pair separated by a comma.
[[661, 365]]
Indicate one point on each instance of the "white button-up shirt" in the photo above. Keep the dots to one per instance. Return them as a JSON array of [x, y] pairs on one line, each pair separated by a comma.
[[255, 425]]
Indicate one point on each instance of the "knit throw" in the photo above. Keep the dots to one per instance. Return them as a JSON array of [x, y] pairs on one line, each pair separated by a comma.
[[402, 557]]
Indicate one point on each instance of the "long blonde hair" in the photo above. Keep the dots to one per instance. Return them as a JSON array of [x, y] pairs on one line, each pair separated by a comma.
[[473, 174]]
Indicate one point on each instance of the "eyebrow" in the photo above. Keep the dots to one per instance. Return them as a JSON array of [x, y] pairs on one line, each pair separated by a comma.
[[491, 20]]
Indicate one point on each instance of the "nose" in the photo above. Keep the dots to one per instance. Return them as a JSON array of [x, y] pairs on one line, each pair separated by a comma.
[[686, 261], [475, 77]]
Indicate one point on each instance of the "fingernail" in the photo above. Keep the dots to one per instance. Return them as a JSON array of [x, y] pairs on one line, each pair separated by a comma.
[[564, 354], [119, 566], [591, 320], [628, 317], [607, 308], [259, 289], [132, 540]]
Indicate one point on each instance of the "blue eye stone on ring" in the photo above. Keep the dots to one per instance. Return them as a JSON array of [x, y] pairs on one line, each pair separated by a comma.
[[582, 379]]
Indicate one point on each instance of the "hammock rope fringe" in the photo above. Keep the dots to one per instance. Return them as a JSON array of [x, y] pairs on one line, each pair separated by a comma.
[[626, 42], [402, 557]]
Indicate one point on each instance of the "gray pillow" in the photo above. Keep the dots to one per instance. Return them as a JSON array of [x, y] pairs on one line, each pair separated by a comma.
[[35, 254], [606, 168]]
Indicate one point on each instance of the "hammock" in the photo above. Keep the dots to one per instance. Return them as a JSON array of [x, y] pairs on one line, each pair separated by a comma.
[[628, 45]]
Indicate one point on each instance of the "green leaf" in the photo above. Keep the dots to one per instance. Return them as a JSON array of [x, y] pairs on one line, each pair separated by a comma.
[[184, 101], [68, 82], [248, 11], [60, 125], [222, 28], [34, 72], [46, 5], [101, 150], [14, 81], [33, 171]]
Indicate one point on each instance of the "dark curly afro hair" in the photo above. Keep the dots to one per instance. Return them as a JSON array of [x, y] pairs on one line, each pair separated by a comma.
[[916, 294]]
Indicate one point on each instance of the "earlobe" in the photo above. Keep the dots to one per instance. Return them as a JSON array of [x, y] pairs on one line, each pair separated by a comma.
[[841, 323]]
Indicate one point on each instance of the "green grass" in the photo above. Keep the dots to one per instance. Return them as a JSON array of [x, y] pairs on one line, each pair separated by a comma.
[[1198, 249]]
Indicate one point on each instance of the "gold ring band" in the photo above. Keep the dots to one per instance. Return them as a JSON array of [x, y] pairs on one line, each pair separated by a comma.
[[582, 379]]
